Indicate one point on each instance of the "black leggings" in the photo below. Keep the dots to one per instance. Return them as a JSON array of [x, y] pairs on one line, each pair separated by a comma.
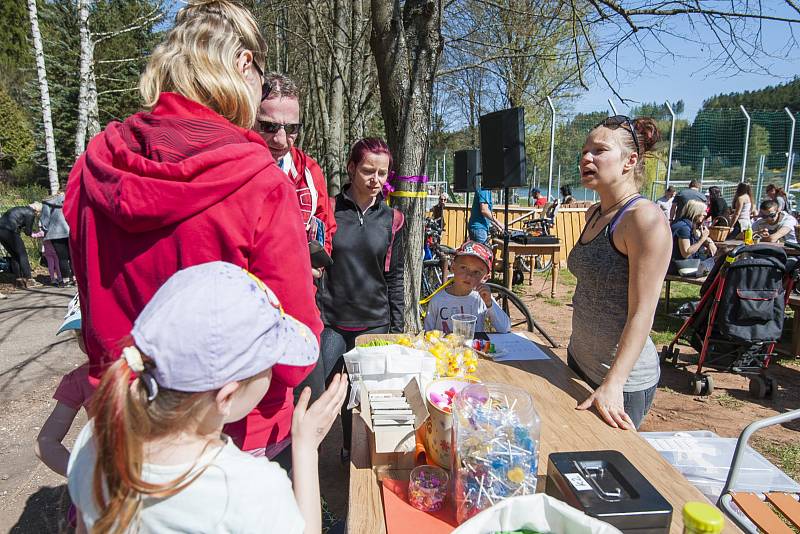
[[61, 247], [13, 243]]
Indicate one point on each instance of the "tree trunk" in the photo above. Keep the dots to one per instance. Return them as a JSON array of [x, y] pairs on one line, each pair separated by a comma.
[[87, 58], [49, 140], [406, 41], [334, 155]]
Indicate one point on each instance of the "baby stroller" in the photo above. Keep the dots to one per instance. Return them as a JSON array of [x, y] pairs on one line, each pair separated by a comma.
[[739, 318]]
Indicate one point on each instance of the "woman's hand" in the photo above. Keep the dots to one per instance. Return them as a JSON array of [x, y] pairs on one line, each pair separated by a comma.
[[609, 402], [703, 234], [310, 424]]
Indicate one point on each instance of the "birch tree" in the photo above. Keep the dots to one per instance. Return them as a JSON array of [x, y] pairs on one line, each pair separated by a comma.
[[41, 72]]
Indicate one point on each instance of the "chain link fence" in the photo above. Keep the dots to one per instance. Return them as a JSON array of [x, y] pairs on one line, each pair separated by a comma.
[[719, 147]]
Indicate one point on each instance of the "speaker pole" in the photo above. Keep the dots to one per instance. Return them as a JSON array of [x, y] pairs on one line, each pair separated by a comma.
[[466, 217], [505, 241]]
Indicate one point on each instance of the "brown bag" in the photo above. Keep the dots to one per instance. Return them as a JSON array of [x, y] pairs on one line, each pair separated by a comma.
[[719, 229]]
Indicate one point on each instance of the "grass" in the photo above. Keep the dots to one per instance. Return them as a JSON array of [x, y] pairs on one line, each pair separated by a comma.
[[553, 301], [726, 401], [785, 455], [665, 326]]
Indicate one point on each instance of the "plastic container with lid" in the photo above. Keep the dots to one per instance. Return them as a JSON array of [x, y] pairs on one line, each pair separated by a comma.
[[702, 518], [495, 437]]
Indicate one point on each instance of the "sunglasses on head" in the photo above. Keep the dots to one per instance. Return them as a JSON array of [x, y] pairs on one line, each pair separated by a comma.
[[273, 127], [622, 121]]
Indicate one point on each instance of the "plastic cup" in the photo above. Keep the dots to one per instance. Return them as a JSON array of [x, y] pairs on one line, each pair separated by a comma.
[[463, 324]]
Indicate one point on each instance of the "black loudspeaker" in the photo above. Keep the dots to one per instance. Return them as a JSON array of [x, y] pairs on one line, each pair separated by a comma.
[[503, 160], [467, 167]]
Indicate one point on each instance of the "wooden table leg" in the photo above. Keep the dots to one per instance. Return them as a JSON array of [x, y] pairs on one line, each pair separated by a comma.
[[666, 297], [510, 269], [554, 281], [796, 332]]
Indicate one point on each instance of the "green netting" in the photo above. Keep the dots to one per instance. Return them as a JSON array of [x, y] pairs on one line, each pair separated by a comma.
[[709, 149]]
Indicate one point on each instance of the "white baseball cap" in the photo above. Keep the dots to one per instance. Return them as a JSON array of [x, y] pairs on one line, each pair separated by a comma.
[[216, 323]]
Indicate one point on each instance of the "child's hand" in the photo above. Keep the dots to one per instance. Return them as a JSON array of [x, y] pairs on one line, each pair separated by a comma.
[[486, 294], [310, 424]]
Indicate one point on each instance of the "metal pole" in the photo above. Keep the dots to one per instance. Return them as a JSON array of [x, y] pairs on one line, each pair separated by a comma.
[[558, 187], [613, 107], [746, 143], [702, 172], [671, 145], [760, 180], [552, 145], [787, 182], [444, 170]]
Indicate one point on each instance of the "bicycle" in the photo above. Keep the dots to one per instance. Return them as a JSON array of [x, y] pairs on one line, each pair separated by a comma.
[[436, 258]]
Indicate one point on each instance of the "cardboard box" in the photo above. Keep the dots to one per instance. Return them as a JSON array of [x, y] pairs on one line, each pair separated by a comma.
[[391, 447]]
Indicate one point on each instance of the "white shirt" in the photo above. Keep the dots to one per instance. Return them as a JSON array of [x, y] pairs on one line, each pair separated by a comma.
[[785, 220], [236, 493], [443, 305], [665, 204]]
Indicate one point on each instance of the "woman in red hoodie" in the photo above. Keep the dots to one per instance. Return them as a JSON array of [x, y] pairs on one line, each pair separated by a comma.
[[187, 182]]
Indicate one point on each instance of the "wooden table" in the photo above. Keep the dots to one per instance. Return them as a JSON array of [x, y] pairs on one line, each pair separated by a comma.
[[730, 244], [553, 250], [555, 390]]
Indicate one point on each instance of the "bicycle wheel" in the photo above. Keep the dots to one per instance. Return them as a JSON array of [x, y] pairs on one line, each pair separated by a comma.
[[513, 306], [431, 277], [541, 264]]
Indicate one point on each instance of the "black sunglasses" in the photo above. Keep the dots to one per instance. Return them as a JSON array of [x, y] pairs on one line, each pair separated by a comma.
[[622, 120], [273, 127]]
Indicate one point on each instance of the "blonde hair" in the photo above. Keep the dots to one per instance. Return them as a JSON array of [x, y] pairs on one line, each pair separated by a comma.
[[198, 59], [692, 210]]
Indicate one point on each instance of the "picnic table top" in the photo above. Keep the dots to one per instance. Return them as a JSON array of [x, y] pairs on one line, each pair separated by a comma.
[[556, 390]]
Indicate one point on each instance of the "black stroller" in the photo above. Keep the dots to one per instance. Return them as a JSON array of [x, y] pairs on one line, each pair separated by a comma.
[[739, 318]]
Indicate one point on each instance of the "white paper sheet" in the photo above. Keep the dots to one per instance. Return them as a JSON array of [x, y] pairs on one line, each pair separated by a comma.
[[515, 347]]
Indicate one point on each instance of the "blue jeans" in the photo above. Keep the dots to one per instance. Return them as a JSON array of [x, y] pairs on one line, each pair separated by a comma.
[[636, 403], [481, 235]]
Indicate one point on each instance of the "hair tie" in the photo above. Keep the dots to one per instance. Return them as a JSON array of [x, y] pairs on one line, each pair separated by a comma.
[[134, 359], [150, 385]]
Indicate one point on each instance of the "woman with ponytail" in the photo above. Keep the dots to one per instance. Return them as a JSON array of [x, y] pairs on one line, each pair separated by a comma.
[[619, 261], [154, 458]]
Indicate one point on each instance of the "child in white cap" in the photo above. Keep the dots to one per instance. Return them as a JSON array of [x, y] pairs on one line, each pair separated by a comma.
[[154, 459]]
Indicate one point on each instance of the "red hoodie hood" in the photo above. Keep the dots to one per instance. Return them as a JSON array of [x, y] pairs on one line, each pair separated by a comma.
[[159, 167]]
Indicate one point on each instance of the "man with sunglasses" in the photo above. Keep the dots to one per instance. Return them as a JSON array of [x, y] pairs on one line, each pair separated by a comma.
[[278, 123], [774, 225]]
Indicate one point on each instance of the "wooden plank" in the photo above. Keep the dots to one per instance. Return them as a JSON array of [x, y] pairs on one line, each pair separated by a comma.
[[556, 390], [759, 513], [788, 506], [364, 504]]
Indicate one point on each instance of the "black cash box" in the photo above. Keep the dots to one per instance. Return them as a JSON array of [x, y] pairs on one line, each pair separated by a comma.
[[526, 239], [604, 484]]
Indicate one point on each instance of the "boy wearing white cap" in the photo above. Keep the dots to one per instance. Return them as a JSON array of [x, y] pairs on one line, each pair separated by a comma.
[[154, 456]]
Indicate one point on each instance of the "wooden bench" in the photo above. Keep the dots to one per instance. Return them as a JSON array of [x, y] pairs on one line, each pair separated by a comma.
[[678, 278]]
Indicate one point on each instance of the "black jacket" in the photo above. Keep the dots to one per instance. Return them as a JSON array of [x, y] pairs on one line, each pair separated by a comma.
[[357, 291], [18, 219]]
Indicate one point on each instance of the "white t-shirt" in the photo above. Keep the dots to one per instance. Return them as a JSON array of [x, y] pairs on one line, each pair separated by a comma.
[[443, 305], [665, 204], [785, 220], [236, 493]]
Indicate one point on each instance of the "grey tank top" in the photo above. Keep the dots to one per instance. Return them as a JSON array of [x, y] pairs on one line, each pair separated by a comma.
[[600, 309]]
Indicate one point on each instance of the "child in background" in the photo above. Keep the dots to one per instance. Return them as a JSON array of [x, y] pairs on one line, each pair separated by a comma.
[[468, 292], [73, 393], [200, 355]]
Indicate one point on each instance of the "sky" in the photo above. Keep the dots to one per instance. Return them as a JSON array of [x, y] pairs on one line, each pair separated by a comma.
[[685, 75]]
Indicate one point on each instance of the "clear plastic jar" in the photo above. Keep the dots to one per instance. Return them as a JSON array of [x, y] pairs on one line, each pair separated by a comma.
[[495, 446]]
